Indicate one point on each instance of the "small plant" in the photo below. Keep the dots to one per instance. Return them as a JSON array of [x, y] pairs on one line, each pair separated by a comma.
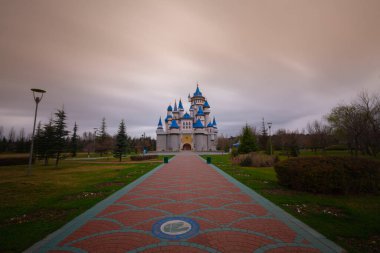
[[234, 152]]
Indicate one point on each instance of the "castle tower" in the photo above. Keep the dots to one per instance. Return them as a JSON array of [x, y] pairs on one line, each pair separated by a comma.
[[161, 137]]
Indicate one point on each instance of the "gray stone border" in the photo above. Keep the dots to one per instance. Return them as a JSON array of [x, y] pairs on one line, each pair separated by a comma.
[[317, 239]]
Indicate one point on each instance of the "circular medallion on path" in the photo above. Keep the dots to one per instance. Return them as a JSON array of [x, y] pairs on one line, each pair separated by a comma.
[[175, 228]]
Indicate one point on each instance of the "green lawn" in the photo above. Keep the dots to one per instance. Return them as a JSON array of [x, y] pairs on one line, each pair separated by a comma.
[[352, 221], [32, 207]]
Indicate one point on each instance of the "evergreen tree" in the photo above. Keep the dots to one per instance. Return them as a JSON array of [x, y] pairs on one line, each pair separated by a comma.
[[104, 141], [263, 140], [247, 141], [121, 142], [45, 141], [60, 133], [103, 128], [74, 141]]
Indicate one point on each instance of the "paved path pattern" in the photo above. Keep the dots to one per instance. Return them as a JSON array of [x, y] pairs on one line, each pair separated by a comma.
[[224, 216]]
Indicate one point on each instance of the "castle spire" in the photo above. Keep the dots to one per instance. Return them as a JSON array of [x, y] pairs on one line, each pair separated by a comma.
[[180, 106], [159, 126]]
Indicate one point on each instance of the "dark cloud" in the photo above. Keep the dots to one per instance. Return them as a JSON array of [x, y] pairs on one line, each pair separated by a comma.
[[287, 61]]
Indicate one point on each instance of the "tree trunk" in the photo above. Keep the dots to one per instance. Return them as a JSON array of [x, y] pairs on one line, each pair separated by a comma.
[[57, 159]]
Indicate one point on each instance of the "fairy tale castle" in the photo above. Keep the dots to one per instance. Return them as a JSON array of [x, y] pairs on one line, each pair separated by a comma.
[[188, 131]]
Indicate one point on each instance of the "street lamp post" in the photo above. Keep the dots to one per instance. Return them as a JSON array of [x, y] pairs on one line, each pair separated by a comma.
[[37, 95], [270, 137]]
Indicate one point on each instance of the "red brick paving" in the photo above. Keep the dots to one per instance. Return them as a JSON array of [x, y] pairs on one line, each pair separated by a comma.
[[229, 219]]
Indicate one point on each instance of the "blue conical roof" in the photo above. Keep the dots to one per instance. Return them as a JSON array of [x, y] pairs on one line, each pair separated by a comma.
[[175, 106], [206, 105], [174, 124], [197, 92], [168, 117], [198, 124], [159, 123], [210, 125], [186, 116], [200, 111], [170, 108], [180, 106]]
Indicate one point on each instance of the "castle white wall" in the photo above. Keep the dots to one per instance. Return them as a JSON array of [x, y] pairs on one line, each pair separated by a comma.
[[161, 142]]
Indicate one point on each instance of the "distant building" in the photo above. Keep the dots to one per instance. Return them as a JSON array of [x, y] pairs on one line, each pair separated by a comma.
[[188, 131]]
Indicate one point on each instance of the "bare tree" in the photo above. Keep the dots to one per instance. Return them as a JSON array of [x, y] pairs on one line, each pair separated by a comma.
[[358, 123], [318, 134]]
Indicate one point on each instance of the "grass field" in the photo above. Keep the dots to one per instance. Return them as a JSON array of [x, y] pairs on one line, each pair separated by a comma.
[[351, 221], [32, 207]]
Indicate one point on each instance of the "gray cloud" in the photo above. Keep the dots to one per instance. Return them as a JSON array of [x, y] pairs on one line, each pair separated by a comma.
[[287, 61]]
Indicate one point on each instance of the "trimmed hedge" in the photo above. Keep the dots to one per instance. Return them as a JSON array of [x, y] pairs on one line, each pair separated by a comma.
[[337, 175], [143, 157]]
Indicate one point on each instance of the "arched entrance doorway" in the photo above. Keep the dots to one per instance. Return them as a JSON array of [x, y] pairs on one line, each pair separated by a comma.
[[186, 146]]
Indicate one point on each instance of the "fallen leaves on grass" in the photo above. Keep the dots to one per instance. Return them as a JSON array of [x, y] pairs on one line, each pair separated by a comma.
[[84, 195], [304, 209], [39, 215]]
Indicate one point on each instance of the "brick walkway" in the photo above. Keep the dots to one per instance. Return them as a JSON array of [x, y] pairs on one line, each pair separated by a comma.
[[185, 206]]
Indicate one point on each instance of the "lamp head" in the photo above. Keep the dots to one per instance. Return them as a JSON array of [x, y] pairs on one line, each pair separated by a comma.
[[38, 94]]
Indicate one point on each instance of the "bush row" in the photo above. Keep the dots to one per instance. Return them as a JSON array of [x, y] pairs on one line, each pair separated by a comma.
[[337, 175], [255, 160], [143, 157]]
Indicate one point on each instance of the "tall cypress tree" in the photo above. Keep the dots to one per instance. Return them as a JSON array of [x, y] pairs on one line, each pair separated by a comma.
[[74, 141], [60, 133], [263, 140], [121, 142]]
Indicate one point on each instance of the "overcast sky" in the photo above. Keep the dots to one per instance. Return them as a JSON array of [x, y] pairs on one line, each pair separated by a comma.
[[286, 60]]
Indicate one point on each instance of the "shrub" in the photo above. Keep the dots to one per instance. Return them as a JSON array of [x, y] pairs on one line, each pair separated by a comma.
[[245, 160], [143, 157], [234, 152], [256, 160], [340, 175]]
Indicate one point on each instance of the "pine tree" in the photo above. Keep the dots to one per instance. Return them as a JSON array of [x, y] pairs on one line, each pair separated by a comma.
[[74, 141], [247, 141], [104, 141], [60, 133], [46, 141], [263, 140], [121, 142], [103, 132]]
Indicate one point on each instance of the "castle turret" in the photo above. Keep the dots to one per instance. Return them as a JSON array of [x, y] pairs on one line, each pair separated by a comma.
[[159, 125], [206, 109], [175, 111], [215, 126], [200, 115], [161, 137], [180, 109]]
